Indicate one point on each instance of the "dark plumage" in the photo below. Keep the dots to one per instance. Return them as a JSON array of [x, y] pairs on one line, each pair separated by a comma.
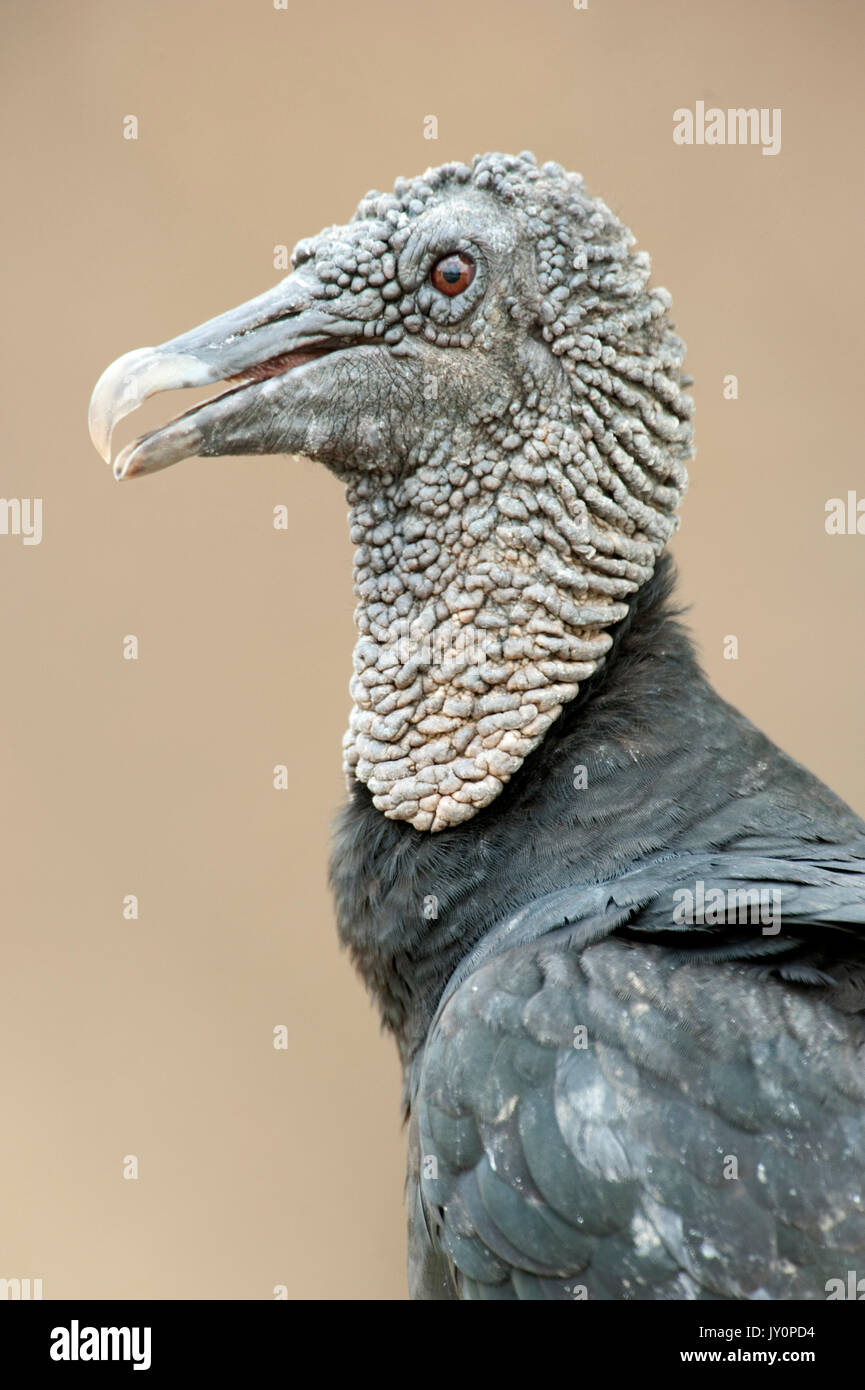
[[556, 911], [614, 931]]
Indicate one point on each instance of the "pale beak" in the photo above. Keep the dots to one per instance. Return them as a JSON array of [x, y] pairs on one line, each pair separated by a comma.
[[248, 347]]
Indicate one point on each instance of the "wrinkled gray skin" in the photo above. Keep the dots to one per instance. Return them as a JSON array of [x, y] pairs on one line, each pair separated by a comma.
[[604, 1102], [513, 455]]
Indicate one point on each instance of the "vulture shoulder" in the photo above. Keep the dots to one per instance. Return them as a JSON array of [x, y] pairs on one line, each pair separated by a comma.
[[608, 1108]]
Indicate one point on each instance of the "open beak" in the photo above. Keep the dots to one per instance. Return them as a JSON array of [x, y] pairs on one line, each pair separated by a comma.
[[251, 348]]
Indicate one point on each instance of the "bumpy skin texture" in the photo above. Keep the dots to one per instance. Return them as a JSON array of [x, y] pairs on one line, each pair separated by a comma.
[[603, 1171], [513, 454], [542, 487]]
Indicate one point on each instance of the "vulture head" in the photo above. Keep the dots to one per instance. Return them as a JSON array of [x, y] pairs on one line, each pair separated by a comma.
[[479, 357]]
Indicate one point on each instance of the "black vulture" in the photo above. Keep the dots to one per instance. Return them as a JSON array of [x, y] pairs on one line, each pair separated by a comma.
[[614, 931]]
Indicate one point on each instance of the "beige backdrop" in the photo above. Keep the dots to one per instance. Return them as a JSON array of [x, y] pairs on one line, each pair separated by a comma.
[[153, 1037]]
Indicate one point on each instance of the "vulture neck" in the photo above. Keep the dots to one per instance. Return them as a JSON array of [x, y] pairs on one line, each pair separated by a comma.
[[411, 906], [485, 591]]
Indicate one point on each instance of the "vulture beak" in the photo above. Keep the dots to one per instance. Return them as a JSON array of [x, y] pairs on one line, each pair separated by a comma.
[[249, 347]]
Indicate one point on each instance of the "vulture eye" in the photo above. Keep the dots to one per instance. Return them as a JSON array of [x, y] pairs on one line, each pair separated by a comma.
[[453, 273]]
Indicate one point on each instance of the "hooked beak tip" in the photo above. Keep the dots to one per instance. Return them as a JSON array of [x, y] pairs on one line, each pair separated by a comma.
[[129, 381], [117, 393], [265, 337]]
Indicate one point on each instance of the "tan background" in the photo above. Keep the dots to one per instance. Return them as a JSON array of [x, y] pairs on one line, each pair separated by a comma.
[[153, 777]]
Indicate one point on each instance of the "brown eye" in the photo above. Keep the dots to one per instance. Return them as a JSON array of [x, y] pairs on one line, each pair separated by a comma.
[[453, 273]]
